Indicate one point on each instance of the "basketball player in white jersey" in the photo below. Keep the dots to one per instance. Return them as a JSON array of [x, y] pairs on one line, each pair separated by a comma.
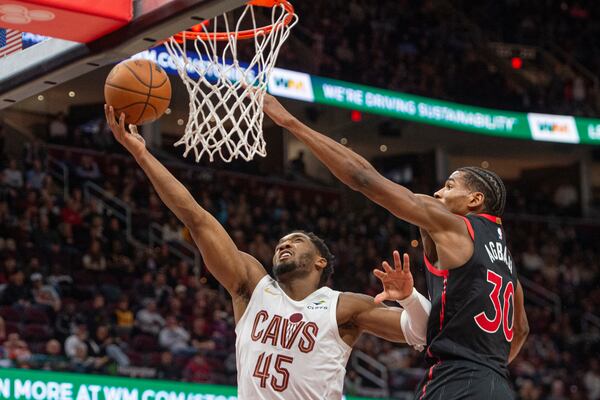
[[294, 334]]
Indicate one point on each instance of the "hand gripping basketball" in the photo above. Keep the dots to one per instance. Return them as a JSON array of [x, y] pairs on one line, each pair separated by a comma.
[[139, 88], [132, 141], [397, 283]]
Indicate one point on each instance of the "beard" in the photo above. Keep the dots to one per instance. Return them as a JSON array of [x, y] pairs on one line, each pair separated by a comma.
[[293, 268], [284, 268]]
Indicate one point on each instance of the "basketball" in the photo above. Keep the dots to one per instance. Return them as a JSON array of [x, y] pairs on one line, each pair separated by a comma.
[[139, 88]]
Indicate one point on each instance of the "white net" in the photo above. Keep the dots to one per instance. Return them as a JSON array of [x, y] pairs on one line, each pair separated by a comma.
[[226, 96]]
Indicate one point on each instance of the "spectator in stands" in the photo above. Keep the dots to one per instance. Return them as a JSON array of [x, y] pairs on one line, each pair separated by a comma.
[[94, 259], [76, 348], [174, 306], [145, 287], [16, 293], [12, 175], [592, 380], [10, 267], [58, 130], [15, 349], [33, 151], [36, 176], [88, 170], [171, 231], [261, 250], [52, 359], [118, 261], [148, 319], [167, 368], [155, 207], [197, 370], [557, 391], [44, 295], [97, 314], [566, 198], [50, 209], [75, 344], [114, 231], [175, 338], [105, 344], [184, 274], [66, 321], [95, 229], [69, 244], [7, 220], [202, 335], [162, 291], [123, 316], [71, 213], [181, 292], [58, 279], [45, 237], [297, 164]]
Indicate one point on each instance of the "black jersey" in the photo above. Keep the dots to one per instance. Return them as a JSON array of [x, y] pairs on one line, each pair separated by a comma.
[[473, 305]]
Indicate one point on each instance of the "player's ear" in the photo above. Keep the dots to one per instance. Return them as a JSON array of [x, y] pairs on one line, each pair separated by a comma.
[[321, 262], [476, 200]]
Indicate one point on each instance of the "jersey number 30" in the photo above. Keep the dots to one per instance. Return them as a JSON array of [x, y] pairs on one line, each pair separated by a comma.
[[263, 365], [502, 306]]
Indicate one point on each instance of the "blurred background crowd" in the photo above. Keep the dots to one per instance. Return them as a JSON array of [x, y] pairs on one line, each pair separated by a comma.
[[78, 292], [97, 276]]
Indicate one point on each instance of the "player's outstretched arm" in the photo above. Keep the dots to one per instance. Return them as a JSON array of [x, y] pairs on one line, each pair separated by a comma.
[[235, 270], [360, 175], [361, 313], [521, 327]]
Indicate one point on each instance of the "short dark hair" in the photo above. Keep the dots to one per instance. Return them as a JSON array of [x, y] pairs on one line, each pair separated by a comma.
[[488, 183], [324, 252]]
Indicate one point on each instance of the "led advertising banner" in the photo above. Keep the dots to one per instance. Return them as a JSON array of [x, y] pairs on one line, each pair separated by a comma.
[[315, 89], [530, 126], [19, 384]]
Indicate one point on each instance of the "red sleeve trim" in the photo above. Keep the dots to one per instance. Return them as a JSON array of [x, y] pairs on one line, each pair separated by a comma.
[[469, 228], [437, 272]]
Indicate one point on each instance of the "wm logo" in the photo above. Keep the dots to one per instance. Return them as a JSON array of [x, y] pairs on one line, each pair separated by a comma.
[[288, 83], [550, 127]]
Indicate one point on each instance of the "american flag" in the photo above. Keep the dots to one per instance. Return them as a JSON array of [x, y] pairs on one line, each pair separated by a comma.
[[10, 41]]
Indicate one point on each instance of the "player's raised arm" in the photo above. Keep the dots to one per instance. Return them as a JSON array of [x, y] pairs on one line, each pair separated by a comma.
[[361, 313], [360, 175], [521, 327], [235, 270]]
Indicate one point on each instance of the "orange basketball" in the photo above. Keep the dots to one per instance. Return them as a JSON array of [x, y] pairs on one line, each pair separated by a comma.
[[139, 88]]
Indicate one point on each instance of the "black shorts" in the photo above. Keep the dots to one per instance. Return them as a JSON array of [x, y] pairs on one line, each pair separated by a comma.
[[463, 380]]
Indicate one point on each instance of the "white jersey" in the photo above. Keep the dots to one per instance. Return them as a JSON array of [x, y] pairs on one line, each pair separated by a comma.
[[290, 350]]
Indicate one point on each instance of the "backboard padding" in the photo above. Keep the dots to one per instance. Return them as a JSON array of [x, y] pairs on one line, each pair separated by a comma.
[[56, 61]]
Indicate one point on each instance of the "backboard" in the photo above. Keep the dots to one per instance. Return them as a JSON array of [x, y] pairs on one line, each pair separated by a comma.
[[54, 61]]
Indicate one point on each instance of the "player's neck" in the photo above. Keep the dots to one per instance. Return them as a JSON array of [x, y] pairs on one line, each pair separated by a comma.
[[298, 289]]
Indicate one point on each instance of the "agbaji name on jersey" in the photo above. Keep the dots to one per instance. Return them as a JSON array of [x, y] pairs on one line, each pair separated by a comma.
[[498, 252]]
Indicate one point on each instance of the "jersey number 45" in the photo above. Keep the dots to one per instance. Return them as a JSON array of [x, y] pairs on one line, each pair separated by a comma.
[[263, 366]]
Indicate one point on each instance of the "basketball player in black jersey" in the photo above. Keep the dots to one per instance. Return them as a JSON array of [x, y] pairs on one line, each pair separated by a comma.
[[477, 323]]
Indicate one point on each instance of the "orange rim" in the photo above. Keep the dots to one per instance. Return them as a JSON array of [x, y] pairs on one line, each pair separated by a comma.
[[197, 31]]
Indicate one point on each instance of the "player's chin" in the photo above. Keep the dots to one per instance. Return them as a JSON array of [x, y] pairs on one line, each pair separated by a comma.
[[283, 267]]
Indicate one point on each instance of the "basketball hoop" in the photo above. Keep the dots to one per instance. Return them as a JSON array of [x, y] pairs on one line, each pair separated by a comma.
[[226, 97]]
